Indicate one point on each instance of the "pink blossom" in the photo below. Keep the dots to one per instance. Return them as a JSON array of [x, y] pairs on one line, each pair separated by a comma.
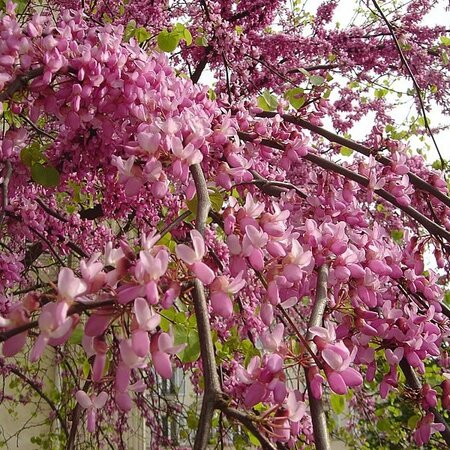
[[91, 404], [193, 258]]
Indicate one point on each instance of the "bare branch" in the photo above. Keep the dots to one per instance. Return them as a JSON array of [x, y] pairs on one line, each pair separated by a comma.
[[19, 82], [5, 183], [249, 423]]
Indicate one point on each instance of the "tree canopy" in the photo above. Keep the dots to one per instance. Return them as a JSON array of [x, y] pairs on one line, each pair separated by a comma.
[[180, 189]]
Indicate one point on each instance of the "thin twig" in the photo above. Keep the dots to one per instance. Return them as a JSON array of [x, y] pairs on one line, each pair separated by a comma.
[[43, 395], [413, 78]]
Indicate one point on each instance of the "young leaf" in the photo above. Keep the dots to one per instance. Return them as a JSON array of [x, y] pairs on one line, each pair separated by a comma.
[[46, 176], [167, 41]]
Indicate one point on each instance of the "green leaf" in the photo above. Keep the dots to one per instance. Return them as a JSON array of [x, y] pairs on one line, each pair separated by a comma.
[[380, 93], [46, 176], [384, 425], [192, 351], [316, 80], [167, 318], [216, 199], [201, 41], [267, 101], [295, 97], [192, 205], [397, 235], [187, 36], [168, 241], [76, 336], [167, 41], [253, 439], [345, 151], [32, 154], [445, 40], [142, 35], [337, 403], [413, 420], [86, 368]]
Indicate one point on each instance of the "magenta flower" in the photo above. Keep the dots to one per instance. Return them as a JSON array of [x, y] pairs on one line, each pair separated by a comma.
[[193, 258], [147, 321], [425, 428], [253, 243], [222, 291], [161, 347], [53, 324], [91, 404]]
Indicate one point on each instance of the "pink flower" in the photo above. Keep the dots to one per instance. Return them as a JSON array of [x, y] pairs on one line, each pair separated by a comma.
[[193, 258], [253, 243], [161, 347], [425, 428], [295, 261], [91, 404], [147, 321], [69, 286], [222, 291], [53, 324]]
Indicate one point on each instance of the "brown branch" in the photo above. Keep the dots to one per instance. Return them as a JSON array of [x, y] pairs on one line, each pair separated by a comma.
[[274, 188], [43, 395], [74, 309], [201, 65], [413, 78], [360, 148], [76, 415], [316, 67], [428, 224], [414, 383], [318, 416], [50, 211], [19, 82], [249, 422], [212, 392], [6, 177]]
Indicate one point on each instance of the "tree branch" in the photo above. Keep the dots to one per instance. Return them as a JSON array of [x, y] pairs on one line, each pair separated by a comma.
[[76, 415], [249, 423], [19, 82], [212, 384], [360, 148], [413, 78], [74, 309], [43, 395], [432, 227], [318, 417], [5, 183]]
